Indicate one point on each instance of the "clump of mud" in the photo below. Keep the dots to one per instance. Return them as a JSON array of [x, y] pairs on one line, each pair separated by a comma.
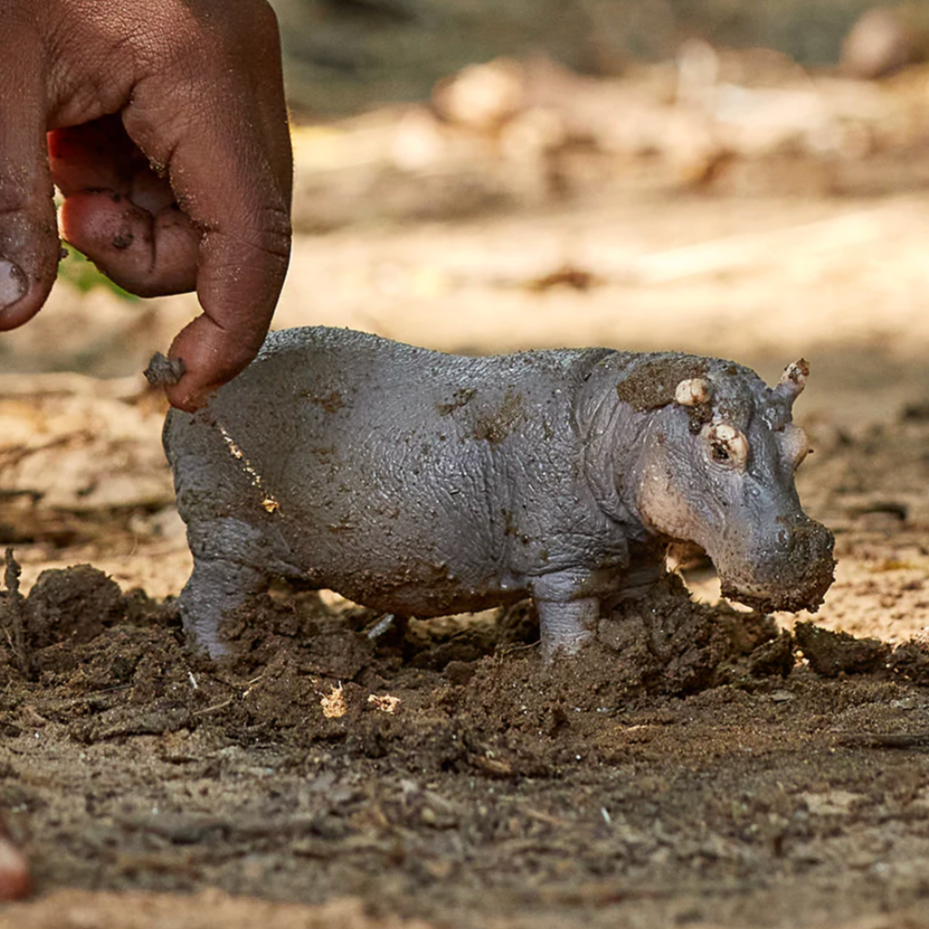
[[77, 624], [668, 643], [837, 654], [78, 629], [832, 653], [72, 606], [458, 694]]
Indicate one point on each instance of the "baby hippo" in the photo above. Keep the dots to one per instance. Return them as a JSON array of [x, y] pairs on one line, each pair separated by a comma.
[[424, 484]]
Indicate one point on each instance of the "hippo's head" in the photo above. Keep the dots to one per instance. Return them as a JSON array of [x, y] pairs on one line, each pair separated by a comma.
[[718, 469]]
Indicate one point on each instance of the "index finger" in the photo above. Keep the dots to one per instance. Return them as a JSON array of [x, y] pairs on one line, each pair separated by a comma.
[[225, 143]]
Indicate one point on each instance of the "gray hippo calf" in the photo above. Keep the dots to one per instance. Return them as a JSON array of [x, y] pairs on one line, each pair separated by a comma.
[[423, 484]]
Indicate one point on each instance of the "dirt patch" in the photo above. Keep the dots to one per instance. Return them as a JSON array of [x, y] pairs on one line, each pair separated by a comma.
[[688, 767], [832, 653], [199, 911]]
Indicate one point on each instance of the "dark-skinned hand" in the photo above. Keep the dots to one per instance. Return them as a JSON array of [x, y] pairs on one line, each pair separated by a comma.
[[164, 126]]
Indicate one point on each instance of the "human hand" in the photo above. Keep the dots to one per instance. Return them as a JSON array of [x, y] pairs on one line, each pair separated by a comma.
[[167, 136], [15, 882]]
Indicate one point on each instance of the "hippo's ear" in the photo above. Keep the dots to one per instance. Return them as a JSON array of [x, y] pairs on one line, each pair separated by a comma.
[[692, 392], [792, 381], [795, 444]]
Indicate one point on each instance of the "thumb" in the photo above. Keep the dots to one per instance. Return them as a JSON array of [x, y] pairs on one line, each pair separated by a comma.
[[29, 244]]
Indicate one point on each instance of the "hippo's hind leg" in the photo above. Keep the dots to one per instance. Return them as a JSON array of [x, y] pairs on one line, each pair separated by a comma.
[[229, 558]]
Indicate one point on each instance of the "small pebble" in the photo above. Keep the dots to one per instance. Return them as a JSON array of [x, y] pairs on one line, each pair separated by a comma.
[[163, 371]]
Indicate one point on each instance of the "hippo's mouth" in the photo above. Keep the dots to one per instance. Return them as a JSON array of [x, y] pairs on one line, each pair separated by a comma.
[[792, 576], [807, 594]]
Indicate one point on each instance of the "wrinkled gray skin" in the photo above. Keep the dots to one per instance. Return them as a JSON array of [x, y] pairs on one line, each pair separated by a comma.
[[423, 484]]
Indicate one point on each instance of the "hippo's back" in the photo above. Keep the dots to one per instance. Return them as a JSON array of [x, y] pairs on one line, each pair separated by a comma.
[[366, 455], [315, 387]]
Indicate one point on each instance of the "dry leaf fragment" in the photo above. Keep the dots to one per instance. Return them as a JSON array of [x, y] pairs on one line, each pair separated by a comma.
[[333, 703], [385, 703]]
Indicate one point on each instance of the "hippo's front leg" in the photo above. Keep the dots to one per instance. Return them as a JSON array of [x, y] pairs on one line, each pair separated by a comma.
[[567, 626], [227, 555], [567, 618]]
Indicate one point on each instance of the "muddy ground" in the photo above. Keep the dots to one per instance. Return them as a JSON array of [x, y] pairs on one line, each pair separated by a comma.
[[699, 765]]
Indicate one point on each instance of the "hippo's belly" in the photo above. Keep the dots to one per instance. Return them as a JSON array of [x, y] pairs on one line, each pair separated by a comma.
[[404, 518]]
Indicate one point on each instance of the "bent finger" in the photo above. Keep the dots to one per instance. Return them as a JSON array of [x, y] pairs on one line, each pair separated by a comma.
[[93, 155], [231, 173], [218, 345], [148, 255], [119, 213]]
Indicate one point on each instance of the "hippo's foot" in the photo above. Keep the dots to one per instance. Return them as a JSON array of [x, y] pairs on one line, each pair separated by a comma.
[[215, 588], [566, 626], [229, 556]]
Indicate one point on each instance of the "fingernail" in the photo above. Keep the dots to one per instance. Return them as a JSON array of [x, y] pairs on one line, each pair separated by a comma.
[[13, 284]]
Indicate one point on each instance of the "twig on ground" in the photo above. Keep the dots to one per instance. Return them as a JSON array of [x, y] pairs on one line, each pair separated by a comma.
[[918, 739]]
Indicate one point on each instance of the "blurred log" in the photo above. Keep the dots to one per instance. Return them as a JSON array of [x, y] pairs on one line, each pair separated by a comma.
[[75, 453], [885, 40]]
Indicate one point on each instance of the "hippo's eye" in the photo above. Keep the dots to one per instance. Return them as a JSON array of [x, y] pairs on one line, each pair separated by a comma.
[[727, 447], [719, 453]]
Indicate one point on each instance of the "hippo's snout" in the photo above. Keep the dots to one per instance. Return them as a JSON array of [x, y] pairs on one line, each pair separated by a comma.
[[792, 574]]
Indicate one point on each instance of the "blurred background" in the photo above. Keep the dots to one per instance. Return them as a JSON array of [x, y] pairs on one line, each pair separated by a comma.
[[742, 179], [350, 55], [718, 176]]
